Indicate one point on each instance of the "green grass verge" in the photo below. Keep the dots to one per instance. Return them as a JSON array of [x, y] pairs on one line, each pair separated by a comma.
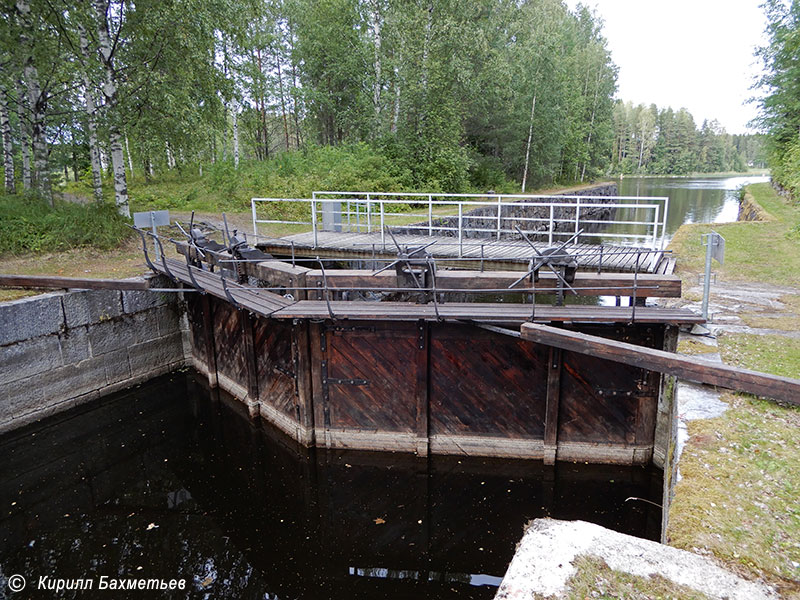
[[767, 251], [28, 224], [737, 499]]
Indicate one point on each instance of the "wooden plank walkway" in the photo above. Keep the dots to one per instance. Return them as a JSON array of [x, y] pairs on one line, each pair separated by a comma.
[[268, 304], [509, 253]]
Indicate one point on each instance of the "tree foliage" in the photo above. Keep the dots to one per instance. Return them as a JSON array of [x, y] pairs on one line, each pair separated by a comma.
[[780, 85], [667, 142], [453, 94]]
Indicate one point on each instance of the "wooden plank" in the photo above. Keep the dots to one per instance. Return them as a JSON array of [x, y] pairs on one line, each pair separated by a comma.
[[422, 361], [208, 335], [251, 368], [303, 373], [690, 368], [551, 410], [586, 284], [69, 283]]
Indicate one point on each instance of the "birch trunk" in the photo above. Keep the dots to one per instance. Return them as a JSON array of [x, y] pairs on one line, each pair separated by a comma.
[[375, 26], [128, 152], [283, 101], [591, 125], [91, 119], [528, 145], [8, 145], [110, 94], [235, 111], [24, 137], [396, 111], [37, 104]]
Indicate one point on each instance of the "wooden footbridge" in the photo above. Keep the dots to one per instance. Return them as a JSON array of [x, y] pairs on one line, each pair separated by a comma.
[[604, 233]]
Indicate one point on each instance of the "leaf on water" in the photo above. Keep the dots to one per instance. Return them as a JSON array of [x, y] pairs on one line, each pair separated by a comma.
[[379, 521]]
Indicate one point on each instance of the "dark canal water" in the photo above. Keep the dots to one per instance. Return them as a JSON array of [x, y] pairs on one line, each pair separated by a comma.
[[173, 481]]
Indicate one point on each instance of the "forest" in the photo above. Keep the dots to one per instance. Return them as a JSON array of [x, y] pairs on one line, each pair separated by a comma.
[[439, 95], [779, 103]]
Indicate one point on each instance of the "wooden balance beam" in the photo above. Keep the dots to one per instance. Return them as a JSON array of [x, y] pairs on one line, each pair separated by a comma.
[[691, 368]]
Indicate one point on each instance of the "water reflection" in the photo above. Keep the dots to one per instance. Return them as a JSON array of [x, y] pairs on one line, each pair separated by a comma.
[[691, 200], [173, 481]]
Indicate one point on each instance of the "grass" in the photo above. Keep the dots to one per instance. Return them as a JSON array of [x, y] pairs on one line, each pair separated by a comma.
[[737, 499], [594, 579], [30, 225], [692, 347], [754, 251]]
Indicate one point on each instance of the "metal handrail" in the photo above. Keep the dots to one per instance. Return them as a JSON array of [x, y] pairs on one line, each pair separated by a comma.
[[368, 213]]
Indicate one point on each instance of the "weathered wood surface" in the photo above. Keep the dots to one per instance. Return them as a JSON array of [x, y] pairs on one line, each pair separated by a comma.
[[268, 304], [70, 283], [368, 245], [585, 284], [691, 368], [422, 387], [485, 313]]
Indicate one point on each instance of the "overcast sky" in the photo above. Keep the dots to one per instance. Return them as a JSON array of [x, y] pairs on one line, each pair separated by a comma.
[[696, 54]]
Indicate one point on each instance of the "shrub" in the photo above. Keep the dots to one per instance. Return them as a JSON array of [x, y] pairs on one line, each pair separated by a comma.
[[30, 225]]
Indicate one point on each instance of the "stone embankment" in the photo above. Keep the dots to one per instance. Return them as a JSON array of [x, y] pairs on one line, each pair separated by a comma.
[[481, 222], [60, 349]]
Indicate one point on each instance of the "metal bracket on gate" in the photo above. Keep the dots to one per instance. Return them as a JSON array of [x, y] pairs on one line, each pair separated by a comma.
[[144, 249], [163, 258], [228, 294]]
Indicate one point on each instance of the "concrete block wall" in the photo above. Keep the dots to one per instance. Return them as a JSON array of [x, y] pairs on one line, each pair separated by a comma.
[[60, 349]]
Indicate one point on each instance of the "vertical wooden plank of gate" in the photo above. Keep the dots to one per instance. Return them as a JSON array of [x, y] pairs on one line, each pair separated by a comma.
[[422, 361], [303, 378], [251, 368], [551, 412], [316, 336], [208, 335]]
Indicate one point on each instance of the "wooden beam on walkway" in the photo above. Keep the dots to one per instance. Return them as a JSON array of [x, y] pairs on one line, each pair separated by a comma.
[[69, 283], [685, 367]]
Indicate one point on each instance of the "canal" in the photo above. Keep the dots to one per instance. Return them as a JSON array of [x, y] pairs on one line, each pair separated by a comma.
[[172, 480], [711, 199]]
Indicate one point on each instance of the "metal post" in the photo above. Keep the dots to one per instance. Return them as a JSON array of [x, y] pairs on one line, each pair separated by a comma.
[[550, 234], [499, 213], [710, 242], [155, 231], [314, 217], [369, 215], [383, 228], [430, 215], [460, 229], [577, 217], [255, 226]]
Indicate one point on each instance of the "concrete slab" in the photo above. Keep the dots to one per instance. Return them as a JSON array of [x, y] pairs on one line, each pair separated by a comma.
[[543, 563]]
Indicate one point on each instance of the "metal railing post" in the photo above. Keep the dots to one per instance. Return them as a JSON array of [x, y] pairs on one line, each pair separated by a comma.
[[383, 228], [314, 217], [255, 226], [430, 215], [550, 232], [499, 212], [460, 230], [369, 215], [577, 217]]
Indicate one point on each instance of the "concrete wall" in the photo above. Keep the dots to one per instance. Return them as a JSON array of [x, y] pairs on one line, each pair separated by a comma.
[[60, 349]]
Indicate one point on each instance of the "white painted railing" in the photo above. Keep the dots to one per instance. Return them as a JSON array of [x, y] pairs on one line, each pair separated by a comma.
[[454, 215]]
